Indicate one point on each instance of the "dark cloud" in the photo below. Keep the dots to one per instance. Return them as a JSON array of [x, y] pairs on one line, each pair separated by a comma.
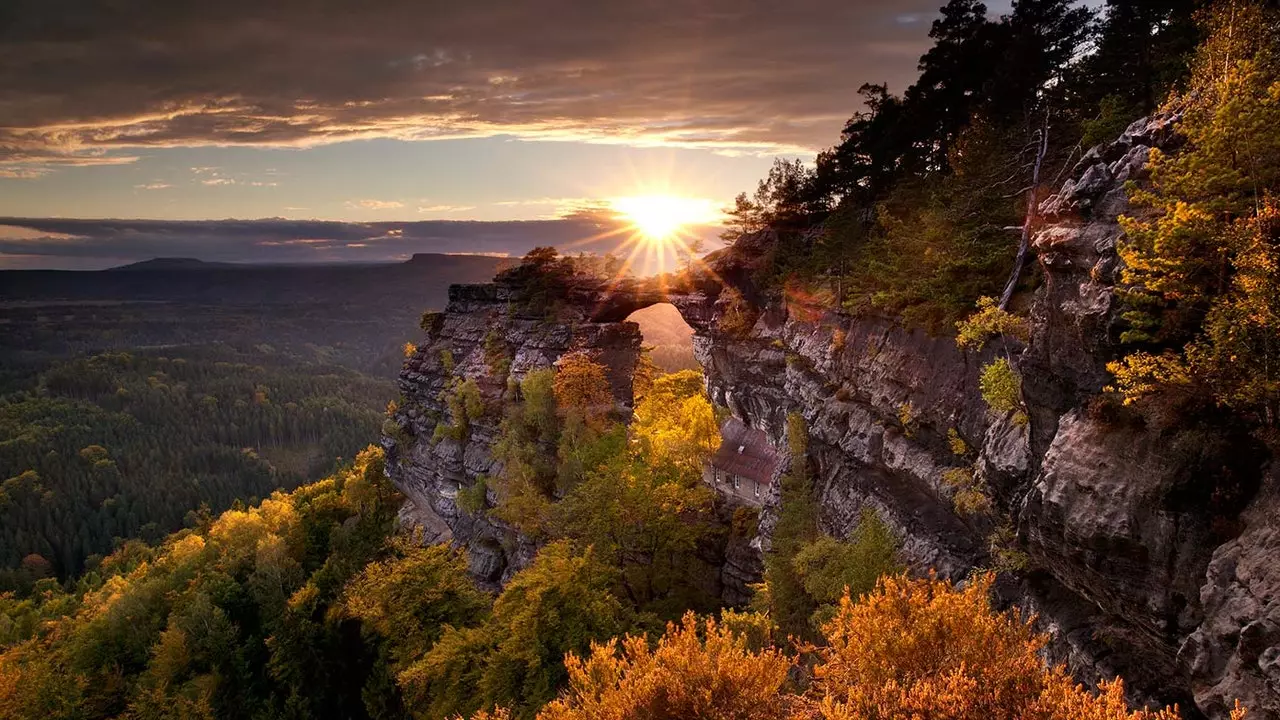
[[73, 243], [81, 78]]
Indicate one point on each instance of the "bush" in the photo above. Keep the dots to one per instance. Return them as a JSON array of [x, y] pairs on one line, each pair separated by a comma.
[[738, 318], [926, 649], [989, 321], [472, 498], [1001, 387]]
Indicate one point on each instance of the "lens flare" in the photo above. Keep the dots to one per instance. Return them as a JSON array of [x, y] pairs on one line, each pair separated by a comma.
[[660, 218]]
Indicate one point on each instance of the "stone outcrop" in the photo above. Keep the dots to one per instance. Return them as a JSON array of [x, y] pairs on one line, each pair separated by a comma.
[[1150, 546]]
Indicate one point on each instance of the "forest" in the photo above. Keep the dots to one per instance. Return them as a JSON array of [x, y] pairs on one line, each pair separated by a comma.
[[925, 210], [309, 604], [134, 445]]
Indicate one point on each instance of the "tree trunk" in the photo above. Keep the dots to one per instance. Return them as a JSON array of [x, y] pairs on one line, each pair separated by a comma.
[[1024, 241]]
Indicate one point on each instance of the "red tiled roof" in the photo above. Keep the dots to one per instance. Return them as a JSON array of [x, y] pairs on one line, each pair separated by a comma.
[[746, 452]]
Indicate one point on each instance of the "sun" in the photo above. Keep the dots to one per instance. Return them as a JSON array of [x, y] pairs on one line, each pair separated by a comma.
[[660, 218]]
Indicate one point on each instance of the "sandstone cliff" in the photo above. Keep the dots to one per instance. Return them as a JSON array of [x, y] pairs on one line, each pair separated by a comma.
[[1149, 545]]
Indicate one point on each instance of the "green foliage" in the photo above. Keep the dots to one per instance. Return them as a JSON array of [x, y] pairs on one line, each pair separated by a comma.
[[473, 498], [956, 443], [988, 322], [465, 405], [907, 418], [782, 595], [225, 621], [497, 357], [646, 524], [1001, 387], [830, 568], [407, 600], [394, 430], [514, 659], [969, 496], [1115, 113], [939, 246], [544, 278], [126, 445], [1005, 554]]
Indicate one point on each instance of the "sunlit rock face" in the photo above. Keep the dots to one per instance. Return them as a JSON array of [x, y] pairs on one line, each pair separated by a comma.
[[1152, 547], [480, 323]]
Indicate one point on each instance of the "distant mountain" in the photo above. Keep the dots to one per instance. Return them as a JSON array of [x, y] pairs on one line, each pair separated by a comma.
[[423, 281], [356, 315], [171, 264]]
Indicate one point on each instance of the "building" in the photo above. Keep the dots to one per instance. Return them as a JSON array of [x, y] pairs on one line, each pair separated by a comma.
[[744, 466]]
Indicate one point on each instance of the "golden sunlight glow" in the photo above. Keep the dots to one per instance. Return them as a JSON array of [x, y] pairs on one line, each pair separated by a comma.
[[659, 218]]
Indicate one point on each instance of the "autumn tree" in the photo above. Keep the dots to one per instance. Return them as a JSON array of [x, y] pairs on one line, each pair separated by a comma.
[[1201, 275], [647, 525], [558, 605], [696, 670], [674, 422], [924, 648], [407, 600], [582, 388]]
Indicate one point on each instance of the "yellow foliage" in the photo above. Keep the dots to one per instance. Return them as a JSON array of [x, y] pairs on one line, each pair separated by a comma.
[[989, 321], [582, 384], [1139, 374], [1200, 273], [683, 677], [675, 423]]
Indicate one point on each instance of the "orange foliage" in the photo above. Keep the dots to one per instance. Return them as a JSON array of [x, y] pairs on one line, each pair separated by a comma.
[[924, 649], [582, 384], [684, 677]]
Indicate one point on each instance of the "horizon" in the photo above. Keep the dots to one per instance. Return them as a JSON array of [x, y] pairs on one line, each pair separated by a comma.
[[466, 129]]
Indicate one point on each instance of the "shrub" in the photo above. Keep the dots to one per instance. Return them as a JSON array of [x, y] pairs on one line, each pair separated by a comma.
[[987, 322], [969, 496], [398, 434], [697, 670], [1005, 555], [1001, 387], [738, 318], [496, 355], [431, 322], [926, 649], [907, 418], [472, 498]]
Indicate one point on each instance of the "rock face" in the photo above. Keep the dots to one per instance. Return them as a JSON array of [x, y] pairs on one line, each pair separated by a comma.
[[1151, 547]]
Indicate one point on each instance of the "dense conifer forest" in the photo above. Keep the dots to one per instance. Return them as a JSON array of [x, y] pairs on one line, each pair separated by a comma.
[[134, 445]]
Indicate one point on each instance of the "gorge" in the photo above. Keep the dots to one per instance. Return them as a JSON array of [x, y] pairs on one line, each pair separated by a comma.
[[1143, 548]]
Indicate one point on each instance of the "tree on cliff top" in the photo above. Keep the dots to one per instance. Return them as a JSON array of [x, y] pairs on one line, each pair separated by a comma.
[[1202, 277]]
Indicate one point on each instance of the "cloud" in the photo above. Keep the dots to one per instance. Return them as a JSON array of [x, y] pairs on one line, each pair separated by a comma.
[[217, 181], [375, 204], [89, 82], [153, 186], [65, 243], [444, 209]]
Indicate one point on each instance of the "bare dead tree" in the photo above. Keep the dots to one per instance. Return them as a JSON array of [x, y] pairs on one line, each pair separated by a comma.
[[1042, 149]]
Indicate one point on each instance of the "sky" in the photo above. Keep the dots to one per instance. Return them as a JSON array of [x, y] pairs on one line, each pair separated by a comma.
[[339, 130]]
